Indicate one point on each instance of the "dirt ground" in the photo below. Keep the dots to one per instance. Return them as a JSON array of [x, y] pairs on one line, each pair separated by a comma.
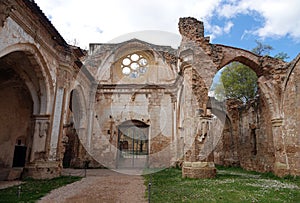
[[100, 185]]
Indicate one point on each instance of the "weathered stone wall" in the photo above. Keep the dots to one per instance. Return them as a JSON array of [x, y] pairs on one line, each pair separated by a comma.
[[33, 49], [111, 110], [255, 140], [291, 122]]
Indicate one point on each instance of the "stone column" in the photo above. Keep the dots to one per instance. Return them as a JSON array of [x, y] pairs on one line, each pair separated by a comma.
[[281, 165], [56, 123], [174, 141]]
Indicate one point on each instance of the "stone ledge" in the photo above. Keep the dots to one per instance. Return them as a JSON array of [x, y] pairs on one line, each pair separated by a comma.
[[42, 170]]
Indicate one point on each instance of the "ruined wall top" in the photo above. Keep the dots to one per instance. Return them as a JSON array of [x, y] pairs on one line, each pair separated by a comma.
[[191, 28]]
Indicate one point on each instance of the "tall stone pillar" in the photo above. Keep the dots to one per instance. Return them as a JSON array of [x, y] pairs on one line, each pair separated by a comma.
[[281, 165], [196, 124], [56, 123]]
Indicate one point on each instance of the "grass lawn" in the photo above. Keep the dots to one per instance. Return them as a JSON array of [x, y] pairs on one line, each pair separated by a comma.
[[33, 190], [230, 185]]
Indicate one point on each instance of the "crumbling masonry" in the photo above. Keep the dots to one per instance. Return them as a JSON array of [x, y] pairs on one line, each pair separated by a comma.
[[136, 105]]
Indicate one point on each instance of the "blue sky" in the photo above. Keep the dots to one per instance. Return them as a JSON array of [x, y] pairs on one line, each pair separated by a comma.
[[235, 23]]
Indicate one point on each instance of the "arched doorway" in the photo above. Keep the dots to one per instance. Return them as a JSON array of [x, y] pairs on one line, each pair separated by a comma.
[[133, 144]]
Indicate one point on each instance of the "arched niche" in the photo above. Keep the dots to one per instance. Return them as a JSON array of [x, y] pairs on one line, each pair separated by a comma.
[[16, 112], [31, 66]]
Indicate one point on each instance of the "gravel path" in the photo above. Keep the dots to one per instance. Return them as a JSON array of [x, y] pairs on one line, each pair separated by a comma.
[[100, 185]]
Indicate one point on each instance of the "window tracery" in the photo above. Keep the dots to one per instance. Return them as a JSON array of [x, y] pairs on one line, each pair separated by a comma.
[[134, 65]]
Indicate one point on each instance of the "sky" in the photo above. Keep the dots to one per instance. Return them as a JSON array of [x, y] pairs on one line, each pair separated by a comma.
[[236, 23]]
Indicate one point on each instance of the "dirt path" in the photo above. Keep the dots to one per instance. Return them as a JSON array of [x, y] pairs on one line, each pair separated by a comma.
[[100, 186]]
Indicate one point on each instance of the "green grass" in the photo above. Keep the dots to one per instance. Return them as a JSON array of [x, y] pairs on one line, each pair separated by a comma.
[[231, 185], [33, 190]]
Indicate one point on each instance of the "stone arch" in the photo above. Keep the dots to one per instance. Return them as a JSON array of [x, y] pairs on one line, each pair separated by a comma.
[[293, 65], [23, 67], [133, 46], [158, 57], [119, 51], [43, 89], [248, 58], [263, 66]]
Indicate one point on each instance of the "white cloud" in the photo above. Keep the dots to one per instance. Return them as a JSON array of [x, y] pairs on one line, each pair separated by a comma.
[[281, 17], [92, 21], [82, 20], [216, 31], [228, 27]]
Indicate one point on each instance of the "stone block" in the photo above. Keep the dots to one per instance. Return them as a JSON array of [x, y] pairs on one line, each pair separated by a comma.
[[198, 170]]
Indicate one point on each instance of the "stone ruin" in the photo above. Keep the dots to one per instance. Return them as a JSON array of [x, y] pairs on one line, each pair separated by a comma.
[[137, 105]]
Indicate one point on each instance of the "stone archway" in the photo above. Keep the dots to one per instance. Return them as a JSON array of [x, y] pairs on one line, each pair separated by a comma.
[[16, 111], [24, 106], [133, 144]]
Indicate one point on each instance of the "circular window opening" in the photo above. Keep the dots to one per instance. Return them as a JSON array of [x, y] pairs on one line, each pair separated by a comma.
[[134, 65]]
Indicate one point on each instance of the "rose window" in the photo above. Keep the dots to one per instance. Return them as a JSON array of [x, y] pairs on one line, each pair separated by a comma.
[[134, 65]]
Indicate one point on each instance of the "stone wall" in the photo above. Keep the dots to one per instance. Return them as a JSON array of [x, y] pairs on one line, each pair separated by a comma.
[[255, 140], [291, 123]]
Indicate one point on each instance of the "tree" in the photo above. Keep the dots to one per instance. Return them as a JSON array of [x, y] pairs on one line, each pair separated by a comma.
[[239, 82], [262, 49], [282, 55]]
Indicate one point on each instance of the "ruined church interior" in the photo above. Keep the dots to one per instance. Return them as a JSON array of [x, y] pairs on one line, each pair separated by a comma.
[[137, 105]]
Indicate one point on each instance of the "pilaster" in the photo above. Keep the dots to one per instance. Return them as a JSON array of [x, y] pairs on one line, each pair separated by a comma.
[[281, 165]]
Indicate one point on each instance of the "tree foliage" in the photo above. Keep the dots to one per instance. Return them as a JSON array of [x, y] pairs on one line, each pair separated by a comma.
[[282, 55], [262, 49], [237, 81]]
